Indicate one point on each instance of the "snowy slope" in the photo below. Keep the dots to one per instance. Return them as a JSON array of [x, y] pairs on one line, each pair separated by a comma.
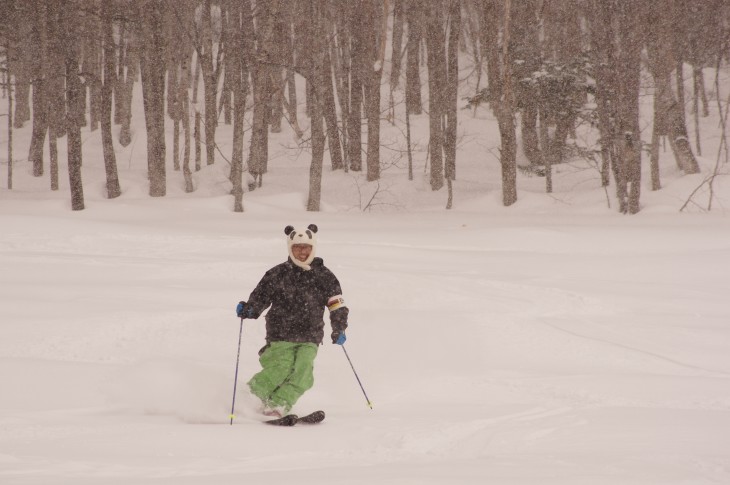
[[553, 342], [504, 350]]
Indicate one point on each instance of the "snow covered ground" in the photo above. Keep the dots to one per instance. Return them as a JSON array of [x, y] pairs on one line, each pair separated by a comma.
[[554, 342]]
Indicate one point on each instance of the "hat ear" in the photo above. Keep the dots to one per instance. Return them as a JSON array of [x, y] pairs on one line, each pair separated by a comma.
[[288, 230], [313, 228]]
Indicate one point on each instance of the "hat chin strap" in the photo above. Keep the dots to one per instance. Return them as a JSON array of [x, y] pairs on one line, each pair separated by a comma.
[[305, 265]]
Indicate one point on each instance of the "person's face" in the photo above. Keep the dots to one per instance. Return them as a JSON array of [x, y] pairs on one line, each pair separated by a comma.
[[301, 251]]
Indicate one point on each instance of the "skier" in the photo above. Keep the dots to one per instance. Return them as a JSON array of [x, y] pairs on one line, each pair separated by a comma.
[[297, 291]]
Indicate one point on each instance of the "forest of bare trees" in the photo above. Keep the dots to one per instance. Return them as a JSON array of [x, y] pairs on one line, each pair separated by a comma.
[[543, 69]]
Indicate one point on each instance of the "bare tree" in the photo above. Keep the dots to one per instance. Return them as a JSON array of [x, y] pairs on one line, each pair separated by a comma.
[[415, 20], [451, 97], [375, 27], [74, 95], [10, 128], [17, 29], [91, 61], [603, 57], [38, 76], [669, 117], [314, 59], [55, 91], [435, 14], [261, 73], [397, 44], [8, 17], [329, 108], [180, 54], [527, 59], [127, 72], [211, 73], [152, 64], [627, 139], [500, 95], [234, 64], [107, 85], [356, 62]]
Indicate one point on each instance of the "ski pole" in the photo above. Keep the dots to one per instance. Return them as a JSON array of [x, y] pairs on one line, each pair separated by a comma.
[[235, 381], [358, 379]]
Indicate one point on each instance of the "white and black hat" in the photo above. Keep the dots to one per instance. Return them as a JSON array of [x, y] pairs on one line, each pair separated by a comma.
[[307, 235]]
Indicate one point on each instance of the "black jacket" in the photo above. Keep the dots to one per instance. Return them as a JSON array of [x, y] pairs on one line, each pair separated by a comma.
[[298, 298]]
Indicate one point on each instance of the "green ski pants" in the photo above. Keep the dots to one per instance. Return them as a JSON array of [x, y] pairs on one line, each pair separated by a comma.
[[287, 372]]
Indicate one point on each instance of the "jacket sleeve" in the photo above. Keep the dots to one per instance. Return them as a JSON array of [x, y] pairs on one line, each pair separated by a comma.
[[336, 305], [261, 297]]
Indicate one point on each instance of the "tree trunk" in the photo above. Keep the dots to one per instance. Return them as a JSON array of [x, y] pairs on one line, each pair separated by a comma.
[[110, 162], [414, 16], [315, 168], [92, 64], [451, 99], [373, 71], [74, 95], [315, 59], [357, 72], [40, 128], [329, 111], [507, 117], [185, 108], [628, 140], [656, 134], [22, 100], [700, 84], [602, 36], [21, 57], [397, 43], [226, 98], [437, 75], [10, 119], [130, 71], [277, 98], [40, 103], [197, 122], [696, 107], [500, 95], [662, 60], [152, 65], [239, 102], [340, 56], [121, 63], [526, 53], [398, 23], [291, 58], [262, 89], [55, 89], [210, 83]]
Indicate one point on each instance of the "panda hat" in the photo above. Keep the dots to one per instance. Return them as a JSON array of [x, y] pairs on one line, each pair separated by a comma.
[[298, 235]]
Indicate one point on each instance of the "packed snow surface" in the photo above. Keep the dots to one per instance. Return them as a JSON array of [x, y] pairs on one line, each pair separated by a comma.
[[551, 349]]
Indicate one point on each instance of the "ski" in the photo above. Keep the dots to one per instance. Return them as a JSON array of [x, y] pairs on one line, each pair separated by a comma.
[[292, 419], [288, 420], [313, 418]]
